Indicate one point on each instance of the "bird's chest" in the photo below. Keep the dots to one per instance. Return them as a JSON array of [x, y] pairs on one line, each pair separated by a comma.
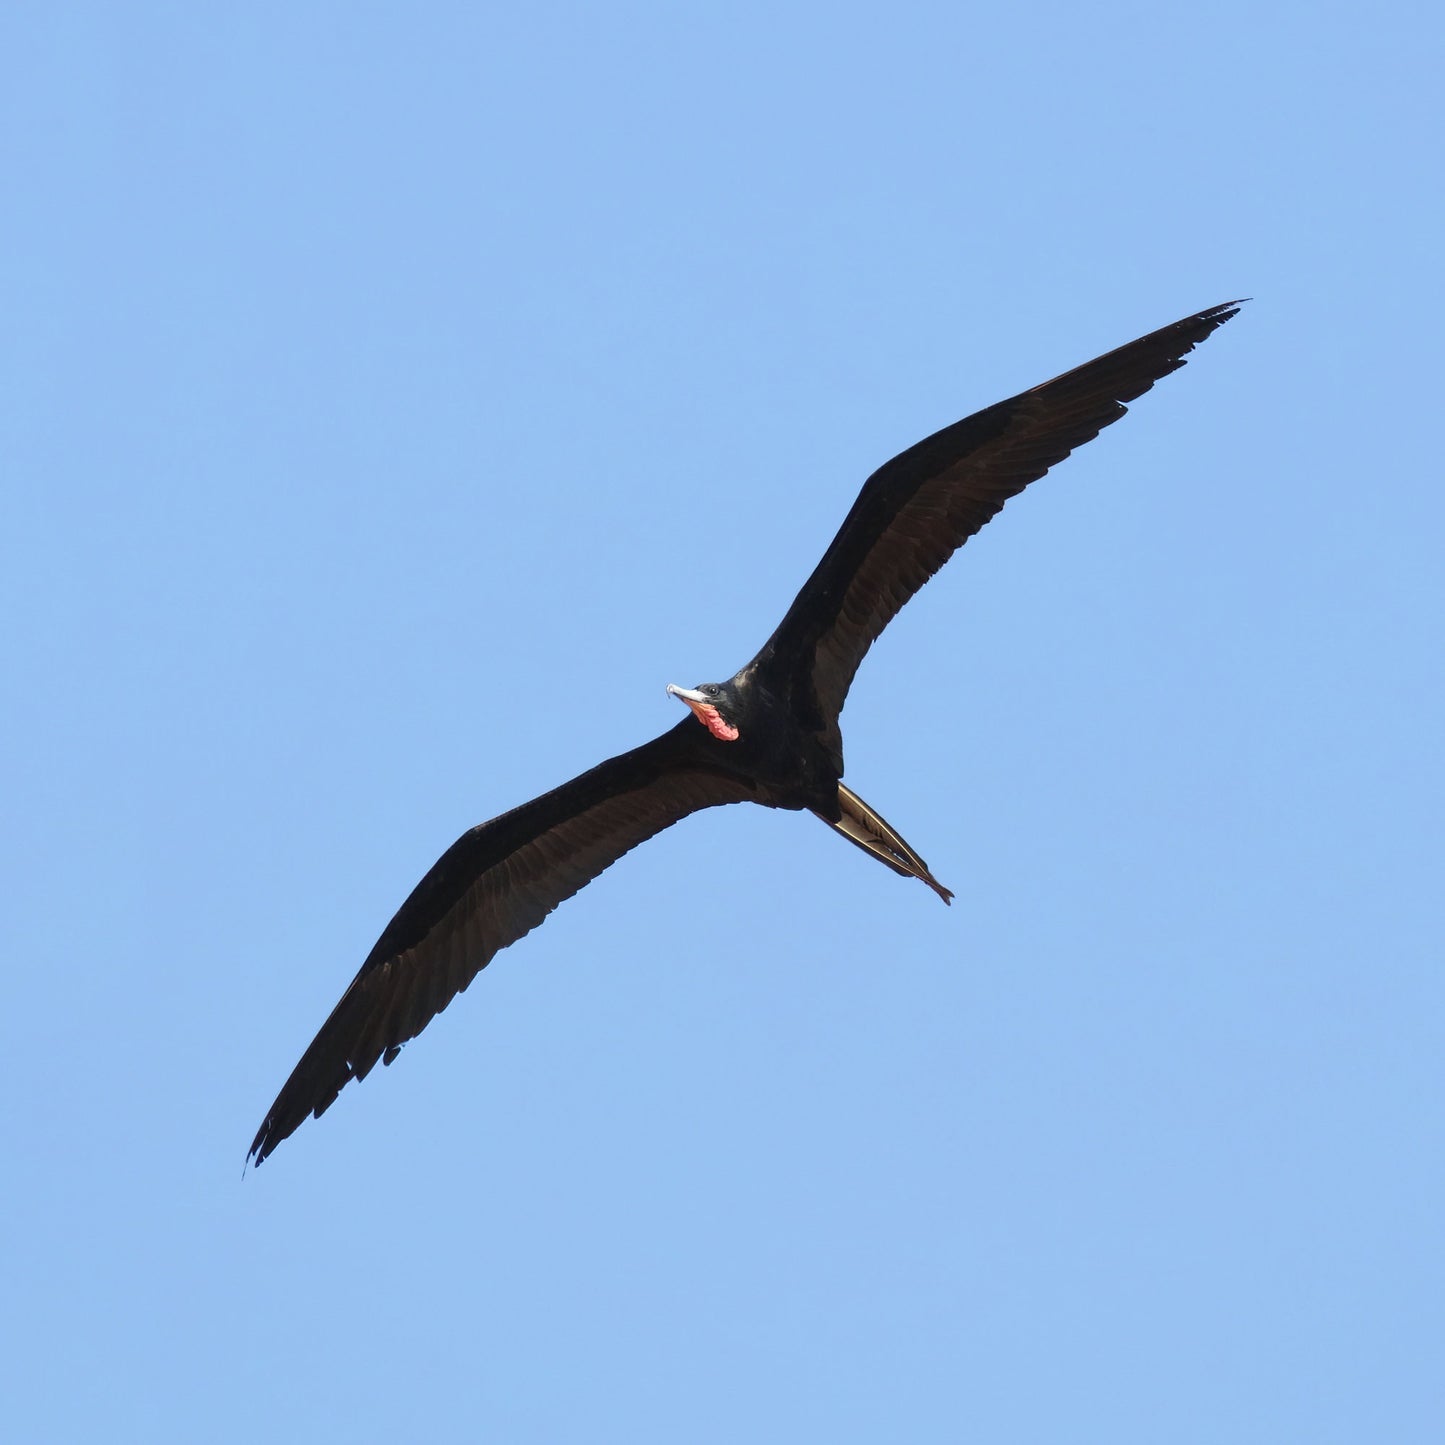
[[790, 766]]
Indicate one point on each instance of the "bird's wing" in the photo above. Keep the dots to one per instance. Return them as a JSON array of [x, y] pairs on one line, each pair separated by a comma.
[[917, 510], [494, 884]]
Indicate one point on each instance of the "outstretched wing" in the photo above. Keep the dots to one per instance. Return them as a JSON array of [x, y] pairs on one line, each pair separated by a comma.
[[917, 510], [494, 884]]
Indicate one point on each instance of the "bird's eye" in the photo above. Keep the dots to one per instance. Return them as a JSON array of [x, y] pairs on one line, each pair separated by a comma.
[[710, 689]]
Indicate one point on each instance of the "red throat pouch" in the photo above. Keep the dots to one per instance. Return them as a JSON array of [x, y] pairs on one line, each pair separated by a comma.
[[712, 720]]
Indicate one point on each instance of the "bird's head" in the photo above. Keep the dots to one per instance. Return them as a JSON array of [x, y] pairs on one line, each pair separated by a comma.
[[716, 705]]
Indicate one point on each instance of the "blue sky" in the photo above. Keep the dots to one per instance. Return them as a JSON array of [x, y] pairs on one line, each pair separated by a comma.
[[396, 398]]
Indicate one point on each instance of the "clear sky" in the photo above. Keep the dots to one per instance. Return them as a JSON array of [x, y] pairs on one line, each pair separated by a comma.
[[394, 398]]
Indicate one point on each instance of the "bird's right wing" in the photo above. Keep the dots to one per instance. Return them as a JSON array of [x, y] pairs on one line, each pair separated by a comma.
[[495, 883], [915, 511]]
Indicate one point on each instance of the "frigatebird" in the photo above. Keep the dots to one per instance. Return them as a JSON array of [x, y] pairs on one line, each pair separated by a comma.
[[768, 735]]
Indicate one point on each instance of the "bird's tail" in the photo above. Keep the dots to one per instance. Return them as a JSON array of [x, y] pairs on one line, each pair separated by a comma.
[[859, 824]]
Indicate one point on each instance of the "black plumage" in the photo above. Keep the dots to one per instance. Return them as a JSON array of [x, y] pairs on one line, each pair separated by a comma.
[[768, 735]]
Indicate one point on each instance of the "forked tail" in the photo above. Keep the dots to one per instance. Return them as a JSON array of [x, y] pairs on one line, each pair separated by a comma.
[[861, 825]]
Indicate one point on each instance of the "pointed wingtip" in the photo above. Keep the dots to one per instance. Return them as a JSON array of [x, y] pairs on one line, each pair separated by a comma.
[[1215, 316]]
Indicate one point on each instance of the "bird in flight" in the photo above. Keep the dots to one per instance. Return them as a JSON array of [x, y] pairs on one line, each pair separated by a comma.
[[769, 734]]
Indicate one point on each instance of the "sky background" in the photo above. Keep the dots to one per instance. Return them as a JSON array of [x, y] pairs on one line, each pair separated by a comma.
[[394, 398]]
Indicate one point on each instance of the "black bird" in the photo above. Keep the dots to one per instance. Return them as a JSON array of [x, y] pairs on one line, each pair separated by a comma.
[[768, 735]]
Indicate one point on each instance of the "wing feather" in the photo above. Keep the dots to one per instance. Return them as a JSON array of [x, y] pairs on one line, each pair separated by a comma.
[[915, 511], [496, 883]]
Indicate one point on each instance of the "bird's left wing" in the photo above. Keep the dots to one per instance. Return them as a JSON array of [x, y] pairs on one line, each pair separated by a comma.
[[495, 883], [916, 510]]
